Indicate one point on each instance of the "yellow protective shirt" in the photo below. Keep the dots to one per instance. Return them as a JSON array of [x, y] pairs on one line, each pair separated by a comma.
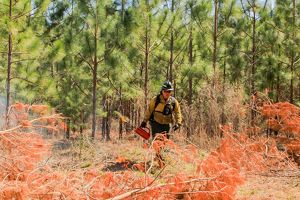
[[175, 117]]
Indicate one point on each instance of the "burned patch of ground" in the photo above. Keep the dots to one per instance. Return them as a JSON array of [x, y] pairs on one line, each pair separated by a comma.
[[119, 166]]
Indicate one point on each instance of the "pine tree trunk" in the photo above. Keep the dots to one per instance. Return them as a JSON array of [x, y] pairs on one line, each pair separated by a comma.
[[190, 97], [190, 81], [103, 132], [9, 62], [82, 121], [95, 68], [277, 85], [123, 10], [223, 118], [292, 80], [171, 60], [94, 101], [94, 96], [146, 63], [121, 110], [293, 55], [215, 38], [253, 63], [299, 88], [138, 116], [108, 120], [132, 116], [68, 128]]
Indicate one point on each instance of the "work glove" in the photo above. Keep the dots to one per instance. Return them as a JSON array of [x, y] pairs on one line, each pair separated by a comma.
[[176, 126], [143, 124]]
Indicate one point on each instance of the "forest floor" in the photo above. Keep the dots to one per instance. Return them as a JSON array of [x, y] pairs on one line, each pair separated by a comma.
[[110, 156], [278, 185]]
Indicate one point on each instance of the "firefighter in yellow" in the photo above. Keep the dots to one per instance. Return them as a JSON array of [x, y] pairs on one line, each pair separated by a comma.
[[163, 110]]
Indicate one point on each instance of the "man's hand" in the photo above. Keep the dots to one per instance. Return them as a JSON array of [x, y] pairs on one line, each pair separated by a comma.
[[143, 124], [176, 126]]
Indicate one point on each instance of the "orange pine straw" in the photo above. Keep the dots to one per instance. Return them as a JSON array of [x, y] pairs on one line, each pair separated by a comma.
[[216, 177], [40, 109], [283, 117]]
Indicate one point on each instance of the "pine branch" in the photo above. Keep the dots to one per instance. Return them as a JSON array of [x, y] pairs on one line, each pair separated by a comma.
[[153, 47], [265, 5], [222, 32], [112, 84], [251, 5], [149, 188], [140, 46], [4, 4], [281, 61], [274, 26], [86, 61], [296, 61], [244, 11], [18, 61], [181, 50], [78, 86], [3, 52], [23, 79], [250, 36], [25, 13]]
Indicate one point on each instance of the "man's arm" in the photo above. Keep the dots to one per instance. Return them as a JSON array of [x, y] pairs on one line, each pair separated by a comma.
[[178, 116]]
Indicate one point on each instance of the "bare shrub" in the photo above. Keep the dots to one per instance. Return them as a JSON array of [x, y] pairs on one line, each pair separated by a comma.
[[214, 107]]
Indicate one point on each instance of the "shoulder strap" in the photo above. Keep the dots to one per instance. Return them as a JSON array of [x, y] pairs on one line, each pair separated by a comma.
[[173, 102], [157, 101]]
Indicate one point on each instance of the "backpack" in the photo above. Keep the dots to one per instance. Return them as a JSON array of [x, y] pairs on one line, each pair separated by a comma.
[[157, 101]]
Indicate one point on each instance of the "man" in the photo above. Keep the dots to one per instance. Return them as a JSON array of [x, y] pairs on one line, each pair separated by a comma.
[[162, 111]]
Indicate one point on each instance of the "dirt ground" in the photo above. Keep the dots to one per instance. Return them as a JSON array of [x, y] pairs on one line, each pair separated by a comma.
[[276, 185]]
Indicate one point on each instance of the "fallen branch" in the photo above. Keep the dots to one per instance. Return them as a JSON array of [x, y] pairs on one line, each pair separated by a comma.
[[56, 116], [149, 188]]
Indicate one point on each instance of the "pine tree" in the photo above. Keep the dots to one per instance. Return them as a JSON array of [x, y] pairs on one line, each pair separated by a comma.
[[252, 11], [20, 45], [94, 49], [146, 42], [286, 24]]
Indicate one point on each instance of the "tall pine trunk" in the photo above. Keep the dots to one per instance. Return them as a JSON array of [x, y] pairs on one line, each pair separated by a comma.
[[68, 128], [190, 80], [253, 62], [215, 40], [223, 117], [104, 119], [95, 68], [9, 62], [123, 10], [293, 54], [146, 61], [121, 110], [277, 84], [171, 60], [108, 120]]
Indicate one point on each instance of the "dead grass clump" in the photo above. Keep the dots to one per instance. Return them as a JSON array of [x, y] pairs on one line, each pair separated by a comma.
[[211, 110]]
